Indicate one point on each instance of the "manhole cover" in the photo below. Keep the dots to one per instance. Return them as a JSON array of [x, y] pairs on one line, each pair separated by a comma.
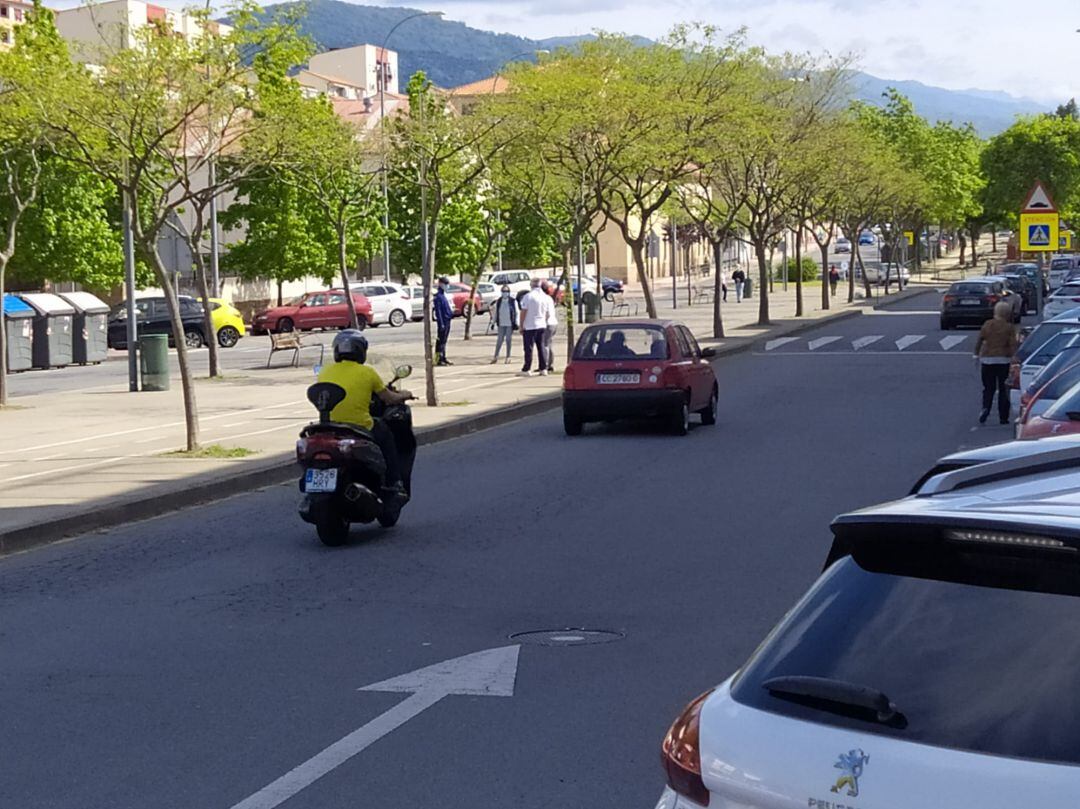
[[567, 637]]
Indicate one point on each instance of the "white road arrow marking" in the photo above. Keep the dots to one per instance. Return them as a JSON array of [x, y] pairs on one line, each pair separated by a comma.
[[863, 342], [490, 673], [821, 341], [908, 340], [952, 341], [782, 341]]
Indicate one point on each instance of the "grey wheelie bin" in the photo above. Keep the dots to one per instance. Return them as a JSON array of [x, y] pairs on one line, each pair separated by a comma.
[[53, 323], [90, 337], [19, 330]]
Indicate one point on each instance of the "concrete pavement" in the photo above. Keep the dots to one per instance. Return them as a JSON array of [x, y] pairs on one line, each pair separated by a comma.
[[96, 455], [190, 660]]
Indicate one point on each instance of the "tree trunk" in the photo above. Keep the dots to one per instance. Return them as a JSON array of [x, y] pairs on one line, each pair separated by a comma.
[[993, 241], [343, 266], [569, 303], [3, 334], [280, 286], [431, 393], [718, 288], [826, 287], [798, 272], [974, 247], [638, 250], [470, 308], [763, 283], [208, 323], [191, 412], [858, 260], [851, 281], [963, 248]]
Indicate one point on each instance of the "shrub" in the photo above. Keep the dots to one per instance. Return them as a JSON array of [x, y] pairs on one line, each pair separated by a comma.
[[809, 270]]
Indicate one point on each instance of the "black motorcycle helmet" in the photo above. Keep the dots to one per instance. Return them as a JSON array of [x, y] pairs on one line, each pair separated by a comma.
[[350, 344]]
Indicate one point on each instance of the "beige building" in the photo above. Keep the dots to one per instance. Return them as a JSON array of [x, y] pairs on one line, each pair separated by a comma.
[[12, 13], [359, 68], [115, 23]]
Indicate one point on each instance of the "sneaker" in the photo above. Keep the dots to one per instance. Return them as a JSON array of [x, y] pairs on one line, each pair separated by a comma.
[[544, 372], [984, 416], [525, 373], [494, 361], [1005, 421], [507, 361]]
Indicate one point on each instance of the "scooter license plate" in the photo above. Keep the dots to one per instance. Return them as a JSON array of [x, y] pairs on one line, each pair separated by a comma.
[[320, 480]]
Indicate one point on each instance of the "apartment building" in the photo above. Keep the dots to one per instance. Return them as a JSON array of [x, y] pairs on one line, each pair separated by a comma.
[[12, 13], [116, 23], [360, 68]]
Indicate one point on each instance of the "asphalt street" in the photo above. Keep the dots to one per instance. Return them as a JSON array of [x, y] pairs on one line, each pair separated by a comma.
[[189, 661]]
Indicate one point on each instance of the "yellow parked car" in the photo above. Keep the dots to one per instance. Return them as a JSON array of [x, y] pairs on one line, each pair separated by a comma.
[[227, 321]]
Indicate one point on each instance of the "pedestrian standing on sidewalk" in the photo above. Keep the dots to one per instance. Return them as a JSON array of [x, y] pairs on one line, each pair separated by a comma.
[[723, 289], [444, 314], [534, 322], [552, 326], [834, 279], [994, 349], [739, 277], [505, 315]]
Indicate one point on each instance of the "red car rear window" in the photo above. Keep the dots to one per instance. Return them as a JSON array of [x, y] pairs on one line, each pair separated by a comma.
[[618, 342]]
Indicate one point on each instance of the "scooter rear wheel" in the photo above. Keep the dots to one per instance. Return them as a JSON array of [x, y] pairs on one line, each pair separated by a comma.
[[332, 530]]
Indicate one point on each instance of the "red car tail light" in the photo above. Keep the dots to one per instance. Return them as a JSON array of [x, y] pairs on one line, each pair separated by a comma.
[[950, 299], [673, 377], [681, 753], [568, 378]]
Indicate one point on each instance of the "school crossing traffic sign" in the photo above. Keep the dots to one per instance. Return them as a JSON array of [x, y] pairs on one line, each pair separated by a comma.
[[1039, 232], [1039, 222]]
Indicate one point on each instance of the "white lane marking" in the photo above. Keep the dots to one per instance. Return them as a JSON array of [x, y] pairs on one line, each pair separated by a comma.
[[814, 345], [202, 419], [490, 673], [782, 341], [63, 469], [952, 341], [863, 342], [860, 353], [908, 340]]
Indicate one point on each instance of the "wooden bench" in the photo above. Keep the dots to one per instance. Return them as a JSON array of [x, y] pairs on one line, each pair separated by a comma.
[[291, 341]]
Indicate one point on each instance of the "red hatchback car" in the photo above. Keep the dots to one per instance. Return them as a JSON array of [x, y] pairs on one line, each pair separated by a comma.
[[639, 369], [315, 310], [459, 299]]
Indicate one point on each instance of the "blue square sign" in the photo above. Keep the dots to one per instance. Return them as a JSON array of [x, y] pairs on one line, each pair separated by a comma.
[[1039, 235]]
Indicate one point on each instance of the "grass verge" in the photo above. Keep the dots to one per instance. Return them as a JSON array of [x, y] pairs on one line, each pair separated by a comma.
[[212, 451]]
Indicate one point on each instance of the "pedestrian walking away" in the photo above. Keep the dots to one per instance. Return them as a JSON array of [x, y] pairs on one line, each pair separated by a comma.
[[552, 327], [723, 290], [534, 323], [994, 349], [505, 316], [834, 278], [739, 277], [444, 314]]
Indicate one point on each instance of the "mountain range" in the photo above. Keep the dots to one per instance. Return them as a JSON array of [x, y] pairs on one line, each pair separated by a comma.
[[452, 53]]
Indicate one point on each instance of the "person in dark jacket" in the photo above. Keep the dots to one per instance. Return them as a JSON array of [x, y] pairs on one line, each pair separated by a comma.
[[444, 314], [739, 277], [504, 314]]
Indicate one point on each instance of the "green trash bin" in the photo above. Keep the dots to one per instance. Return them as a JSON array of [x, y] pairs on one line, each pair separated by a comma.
[[591, 304], [154, 361]]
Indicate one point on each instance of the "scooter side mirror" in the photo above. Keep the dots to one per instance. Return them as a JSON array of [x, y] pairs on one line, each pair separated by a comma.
[[325, 396], [403, 371]]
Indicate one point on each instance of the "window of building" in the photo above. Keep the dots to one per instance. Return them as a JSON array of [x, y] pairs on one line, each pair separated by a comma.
[[3, 11], [18, 15]]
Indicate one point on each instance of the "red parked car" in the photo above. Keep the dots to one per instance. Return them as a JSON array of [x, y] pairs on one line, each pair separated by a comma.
[[315, 310], [639, 369], [459, 299], [1061, 418]]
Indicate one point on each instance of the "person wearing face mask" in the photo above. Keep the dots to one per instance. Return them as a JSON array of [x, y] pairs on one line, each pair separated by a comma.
[[505, 315], [444, 314]]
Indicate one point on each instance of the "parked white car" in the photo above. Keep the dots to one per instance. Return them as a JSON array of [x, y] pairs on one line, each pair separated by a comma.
[[390, 303], [489, 293], [519, 281], [1062, 300]]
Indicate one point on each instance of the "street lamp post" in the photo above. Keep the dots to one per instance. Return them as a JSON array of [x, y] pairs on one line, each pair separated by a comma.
[[381, 56]]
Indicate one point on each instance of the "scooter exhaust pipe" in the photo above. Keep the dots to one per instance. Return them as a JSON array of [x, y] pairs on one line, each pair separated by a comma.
[[355, 492]]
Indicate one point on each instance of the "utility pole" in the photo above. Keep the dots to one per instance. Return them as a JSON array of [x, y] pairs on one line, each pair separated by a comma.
[[215, 275], [580, 280], [674, 265], [129, 293]]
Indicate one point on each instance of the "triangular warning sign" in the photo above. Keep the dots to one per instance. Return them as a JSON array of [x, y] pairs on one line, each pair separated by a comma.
[[1039, 201]]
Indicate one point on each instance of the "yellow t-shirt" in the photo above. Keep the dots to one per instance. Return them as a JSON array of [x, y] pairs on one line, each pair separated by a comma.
[[359, 382]]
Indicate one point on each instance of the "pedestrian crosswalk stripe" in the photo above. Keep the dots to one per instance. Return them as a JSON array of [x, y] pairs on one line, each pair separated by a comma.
[[952, 341], [782, 341], [821, 341], [863, 342], [908, 340]]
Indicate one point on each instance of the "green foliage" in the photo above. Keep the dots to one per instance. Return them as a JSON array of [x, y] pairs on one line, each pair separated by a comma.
[[809, 270]]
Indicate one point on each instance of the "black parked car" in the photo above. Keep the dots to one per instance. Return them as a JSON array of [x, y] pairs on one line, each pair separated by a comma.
[[971, 302], [1024, 287], [152, 316]]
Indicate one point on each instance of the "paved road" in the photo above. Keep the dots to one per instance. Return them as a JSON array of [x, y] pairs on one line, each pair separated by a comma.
[[191, 660]]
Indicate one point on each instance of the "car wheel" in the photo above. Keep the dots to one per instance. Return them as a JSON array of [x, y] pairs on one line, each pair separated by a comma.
[[332, 529], [609, 295], [228, 336], [572, 424], [397, 318], [708, 415], [680, 418], [945, 325], [285, 324], [193, 338]]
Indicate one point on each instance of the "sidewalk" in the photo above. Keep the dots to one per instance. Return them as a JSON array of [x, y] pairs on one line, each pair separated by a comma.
[[76, 461]]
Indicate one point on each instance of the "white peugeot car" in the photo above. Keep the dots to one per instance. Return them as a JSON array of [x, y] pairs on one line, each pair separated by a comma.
[[390, 303], [934, 663]]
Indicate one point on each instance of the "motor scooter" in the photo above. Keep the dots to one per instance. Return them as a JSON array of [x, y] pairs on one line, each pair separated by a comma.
[[344, 477]]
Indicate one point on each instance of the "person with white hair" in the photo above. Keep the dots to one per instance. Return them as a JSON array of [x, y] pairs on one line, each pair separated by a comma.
[[994, 349]]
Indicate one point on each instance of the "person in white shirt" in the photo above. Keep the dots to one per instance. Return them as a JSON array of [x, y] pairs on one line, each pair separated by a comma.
[[535, 312], [552, 326]]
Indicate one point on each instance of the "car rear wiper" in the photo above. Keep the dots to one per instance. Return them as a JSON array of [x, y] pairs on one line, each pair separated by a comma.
[[838, 696]]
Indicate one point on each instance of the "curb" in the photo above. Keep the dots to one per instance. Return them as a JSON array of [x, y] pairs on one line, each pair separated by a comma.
[[908, 293], [281, 468]]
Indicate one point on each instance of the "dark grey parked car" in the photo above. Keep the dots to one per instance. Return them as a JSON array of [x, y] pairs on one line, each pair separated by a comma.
[[972, 302]]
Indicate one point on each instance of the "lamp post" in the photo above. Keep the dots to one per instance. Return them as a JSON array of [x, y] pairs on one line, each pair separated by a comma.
[[383, 66]]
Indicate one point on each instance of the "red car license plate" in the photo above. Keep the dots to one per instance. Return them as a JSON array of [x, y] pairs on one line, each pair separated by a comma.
[[618, 379]]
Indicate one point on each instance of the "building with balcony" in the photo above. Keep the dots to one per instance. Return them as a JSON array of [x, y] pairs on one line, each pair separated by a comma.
[[115, 24], [12, 13], [361, 68]]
